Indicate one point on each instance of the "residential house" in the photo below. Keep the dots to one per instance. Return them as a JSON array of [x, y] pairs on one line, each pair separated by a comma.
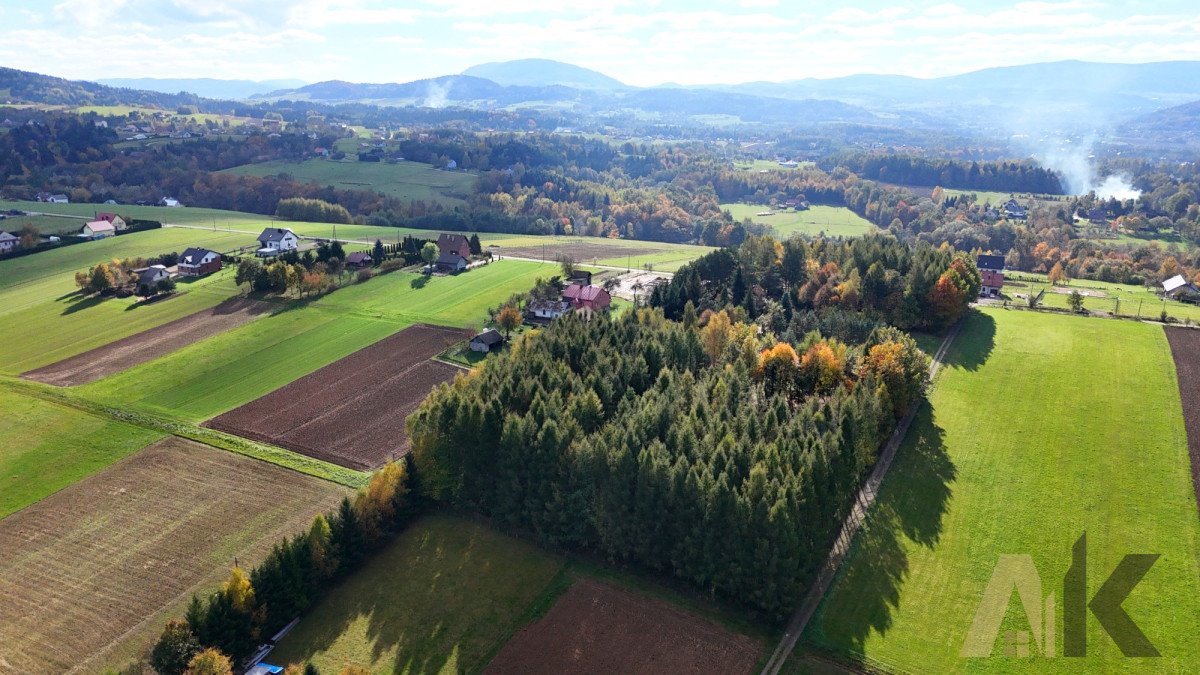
[[8, 242], [991, 272], [450, 262], [197, 262], [167, 201], [581, 277], [591, 297], [451, 165], [276, 240], [486, 341], [1177, 285], [454, 243], [148, 278], [98, 229], [59, 199], [1013, 210], [43, 196], [359, 259], [117, 221], [546, 310]]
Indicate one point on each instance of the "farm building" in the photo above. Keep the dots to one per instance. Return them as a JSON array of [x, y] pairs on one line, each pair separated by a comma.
[[546, 310], [451, 262], [276, 240], [98, 229], [117, 221], [59, 199], [594, 298], [359, 259], [486, 341], [581, 277], [1177, 285], [168, 201], [991, 272], [1013, 210], [7, 242], [196, 262], [149, 277], [454, 243]]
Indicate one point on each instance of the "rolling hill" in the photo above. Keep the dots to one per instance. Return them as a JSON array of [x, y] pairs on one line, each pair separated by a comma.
[[543, 73]]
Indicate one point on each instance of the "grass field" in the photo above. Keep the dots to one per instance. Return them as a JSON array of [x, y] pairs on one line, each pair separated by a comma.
[[47, 447], [443, 598], [405, 180], [185, 215], [46, 225], [770, 165], [1042, 427], [833, 221], [225, 371], [1101, 296]]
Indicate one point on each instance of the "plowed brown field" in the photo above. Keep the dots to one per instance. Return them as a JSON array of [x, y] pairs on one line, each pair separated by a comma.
[[148, 345], [97, 566], [1185, 349], [599, 628], [352, 411]]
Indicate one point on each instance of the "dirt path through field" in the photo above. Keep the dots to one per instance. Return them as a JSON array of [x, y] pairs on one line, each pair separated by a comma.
[[600, 628], [1185, 350], [148, 345]]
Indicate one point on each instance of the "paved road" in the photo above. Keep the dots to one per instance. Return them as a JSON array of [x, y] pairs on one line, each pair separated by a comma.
[[841, 546], [362, 242]]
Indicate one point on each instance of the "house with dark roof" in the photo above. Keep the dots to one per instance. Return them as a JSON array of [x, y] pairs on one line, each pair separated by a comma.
[[276, 240], [197, 262], [991, 273], [1013, 210], [581, 277], [98, 229], [8, 242], [454, 243], [486, 341], [359, 259], [450, 262], [148, 278], [590, 297]]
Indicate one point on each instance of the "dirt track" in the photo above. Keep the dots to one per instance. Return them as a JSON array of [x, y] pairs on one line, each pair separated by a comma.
[[81, 569], [582, 251], [1185, 349], [149, 344], [352, 411], [599, 628]]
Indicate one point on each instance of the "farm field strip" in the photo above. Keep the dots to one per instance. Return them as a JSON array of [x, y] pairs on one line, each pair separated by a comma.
[[352, 411], [97, 568], [404, 180], [597, 627], [1185, 350], [150, 344], [833, 221], [1042, 427]]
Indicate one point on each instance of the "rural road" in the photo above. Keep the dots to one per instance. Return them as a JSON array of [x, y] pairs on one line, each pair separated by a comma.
[[362, 242], [841, 546]]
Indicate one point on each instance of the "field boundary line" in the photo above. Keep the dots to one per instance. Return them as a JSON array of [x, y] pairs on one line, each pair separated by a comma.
[[210, 437], [864, 499]]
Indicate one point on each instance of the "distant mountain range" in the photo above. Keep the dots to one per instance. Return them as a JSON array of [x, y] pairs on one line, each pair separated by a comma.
[[206, 87], [543, 73]]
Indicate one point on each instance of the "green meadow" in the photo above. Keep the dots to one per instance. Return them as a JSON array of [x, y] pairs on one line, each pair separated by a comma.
[[404, 180], [1041, 428], [1101, 296], [832, 221], [48, 447]]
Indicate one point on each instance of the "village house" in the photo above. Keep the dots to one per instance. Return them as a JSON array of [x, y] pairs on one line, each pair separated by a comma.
[[8, 242], [546, 310], [359, 259], [148, 278], [1177, 285], [450, 262], [117, 221], [991, 272], [590, 297], [98, 229], [168, 201], [1013, 210], [455, 243], [581, 277], [486, 341], [197, 262], [59, 199], [276, 240]]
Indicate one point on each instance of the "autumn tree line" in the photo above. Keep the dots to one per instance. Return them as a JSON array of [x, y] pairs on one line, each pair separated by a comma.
[[251, 607]]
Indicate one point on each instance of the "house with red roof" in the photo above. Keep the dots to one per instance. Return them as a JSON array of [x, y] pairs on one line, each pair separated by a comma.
[[118, 222], [590, 297]]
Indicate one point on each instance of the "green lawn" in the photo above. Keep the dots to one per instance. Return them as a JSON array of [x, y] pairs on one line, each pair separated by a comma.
[[1134, 300], [184, 215], [227, 370], [1041, 428], [833, 221], [48, 447], [770, 165], [404, 180], [443, 598]]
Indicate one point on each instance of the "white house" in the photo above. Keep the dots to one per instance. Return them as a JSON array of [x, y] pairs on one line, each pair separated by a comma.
[[276, 240], [98, 229], [8, 242], [167, 201], [59, 199], [548, 309]]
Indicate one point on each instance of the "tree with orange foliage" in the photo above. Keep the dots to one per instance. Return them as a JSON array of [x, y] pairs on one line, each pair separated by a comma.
[[822, 366], [377, 504], [949, 297], [777, 368], [897, 363], [1057, 274]]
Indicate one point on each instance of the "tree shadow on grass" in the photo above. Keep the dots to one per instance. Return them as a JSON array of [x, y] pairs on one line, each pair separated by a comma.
[[419, 282], [974, 343], [909, 512], [83, 302]]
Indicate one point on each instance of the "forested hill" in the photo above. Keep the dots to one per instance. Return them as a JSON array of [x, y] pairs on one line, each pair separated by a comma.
[[1009, 176], [19, 86]]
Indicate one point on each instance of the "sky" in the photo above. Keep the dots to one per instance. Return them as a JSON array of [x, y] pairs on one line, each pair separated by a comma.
[[640, 42]]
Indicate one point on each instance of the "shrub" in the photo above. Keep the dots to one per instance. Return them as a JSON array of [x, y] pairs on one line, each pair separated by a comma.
[[391, 265], [365, 274]]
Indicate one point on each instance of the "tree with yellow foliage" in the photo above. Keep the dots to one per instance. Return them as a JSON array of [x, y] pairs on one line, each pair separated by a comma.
[[714, 336], [822, 366], [209, 662], [1057, 274], [777, 369], [376, 506]]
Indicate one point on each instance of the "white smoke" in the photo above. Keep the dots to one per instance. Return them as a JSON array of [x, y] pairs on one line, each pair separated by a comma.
[[1076, 164], [1117, 187], [436, 95]]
